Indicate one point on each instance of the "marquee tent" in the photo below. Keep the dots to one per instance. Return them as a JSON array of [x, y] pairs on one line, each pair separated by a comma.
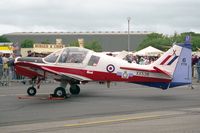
[[149, 51]]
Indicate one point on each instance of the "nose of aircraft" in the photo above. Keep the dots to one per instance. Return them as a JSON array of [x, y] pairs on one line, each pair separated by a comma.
[[16, 59], [29, 59]]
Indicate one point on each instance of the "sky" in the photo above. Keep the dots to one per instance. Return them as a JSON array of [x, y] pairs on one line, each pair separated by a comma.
[[162, 16]]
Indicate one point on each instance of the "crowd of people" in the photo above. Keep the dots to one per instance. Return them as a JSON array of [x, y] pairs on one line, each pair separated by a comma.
[[7, 72], [7, 68], [142, 60]]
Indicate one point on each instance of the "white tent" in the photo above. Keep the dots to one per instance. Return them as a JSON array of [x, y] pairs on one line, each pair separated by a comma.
[[149, 51], [6, 51]]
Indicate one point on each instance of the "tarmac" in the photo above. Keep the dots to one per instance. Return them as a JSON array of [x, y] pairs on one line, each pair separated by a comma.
[[123, 107]]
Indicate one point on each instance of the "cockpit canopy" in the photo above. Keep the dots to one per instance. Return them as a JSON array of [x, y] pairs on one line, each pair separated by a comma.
[[67, 55]]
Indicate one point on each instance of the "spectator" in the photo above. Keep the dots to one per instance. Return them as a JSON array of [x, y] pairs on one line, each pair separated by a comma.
[[11, 60], [5, 77], [194, 62], [198, 69], [30, 54], [1, 65]]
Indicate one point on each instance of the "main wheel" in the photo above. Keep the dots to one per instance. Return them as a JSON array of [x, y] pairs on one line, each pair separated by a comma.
[[74, 89], [60, 92], [31, 91]]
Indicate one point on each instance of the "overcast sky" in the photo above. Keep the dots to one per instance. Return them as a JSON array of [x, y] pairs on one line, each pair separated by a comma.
[[163, 16]]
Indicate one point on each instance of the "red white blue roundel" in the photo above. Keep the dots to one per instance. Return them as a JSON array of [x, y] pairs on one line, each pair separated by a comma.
[[110, 68]]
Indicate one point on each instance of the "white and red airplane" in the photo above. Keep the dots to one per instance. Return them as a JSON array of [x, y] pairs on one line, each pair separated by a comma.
[[74, 65]]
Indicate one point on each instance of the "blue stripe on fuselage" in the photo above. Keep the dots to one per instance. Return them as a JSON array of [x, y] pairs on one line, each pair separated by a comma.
[[163, 85]]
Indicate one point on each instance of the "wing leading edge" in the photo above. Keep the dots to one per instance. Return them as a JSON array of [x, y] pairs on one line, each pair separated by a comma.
[[32, 70]]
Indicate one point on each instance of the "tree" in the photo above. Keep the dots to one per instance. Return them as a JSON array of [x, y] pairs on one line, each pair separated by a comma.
[[46, 41], [27, 43], [195, 43], [94, 45], [74, 44], [156, 40], [154, 36], [165, 42], [4, 39], [195, 39]]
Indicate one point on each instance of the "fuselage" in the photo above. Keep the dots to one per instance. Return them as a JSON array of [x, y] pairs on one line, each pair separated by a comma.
[[89, 66]]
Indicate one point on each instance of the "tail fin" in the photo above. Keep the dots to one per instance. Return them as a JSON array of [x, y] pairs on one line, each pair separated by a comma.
[[176, 62]]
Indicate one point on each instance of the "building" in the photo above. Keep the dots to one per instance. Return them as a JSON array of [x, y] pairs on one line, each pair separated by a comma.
[[44, 49], [110, 41], [6, 48]]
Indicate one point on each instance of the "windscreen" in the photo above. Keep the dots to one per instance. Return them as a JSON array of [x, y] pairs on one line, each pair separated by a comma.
[[73, 55], [52, 57]]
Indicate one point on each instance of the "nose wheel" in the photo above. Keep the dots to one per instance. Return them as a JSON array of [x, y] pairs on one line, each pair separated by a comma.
[[31, 91]]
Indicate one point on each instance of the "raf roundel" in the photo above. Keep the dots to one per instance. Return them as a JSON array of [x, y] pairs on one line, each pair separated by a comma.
[[110, 68]]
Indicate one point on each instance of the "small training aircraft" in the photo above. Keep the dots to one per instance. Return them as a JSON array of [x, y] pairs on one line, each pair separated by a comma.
[[75, 65]]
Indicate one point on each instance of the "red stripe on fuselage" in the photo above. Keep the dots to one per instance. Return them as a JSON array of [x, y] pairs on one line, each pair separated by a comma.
[[105, 76], [26, 72], [95, 76]]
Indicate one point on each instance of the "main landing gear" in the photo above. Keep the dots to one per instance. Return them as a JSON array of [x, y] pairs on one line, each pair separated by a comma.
[[61, 92]]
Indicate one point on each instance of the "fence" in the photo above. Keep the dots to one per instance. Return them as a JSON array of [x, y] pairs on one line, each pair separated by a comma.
[[8, 75]]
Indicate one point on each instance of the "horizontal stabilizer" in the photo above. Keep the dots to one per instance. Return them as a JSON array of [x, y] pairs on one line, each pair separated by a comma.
[[162, 71]]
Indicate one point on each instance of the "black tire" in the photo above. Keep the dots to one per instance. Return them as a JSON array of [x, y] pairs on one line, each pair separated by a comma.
[[60, 92], [31, 91], [74, 89]]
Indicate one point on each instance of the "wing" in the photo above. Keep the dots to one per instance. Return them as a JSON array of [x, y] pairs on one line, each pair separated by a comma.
[[32, 70]]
